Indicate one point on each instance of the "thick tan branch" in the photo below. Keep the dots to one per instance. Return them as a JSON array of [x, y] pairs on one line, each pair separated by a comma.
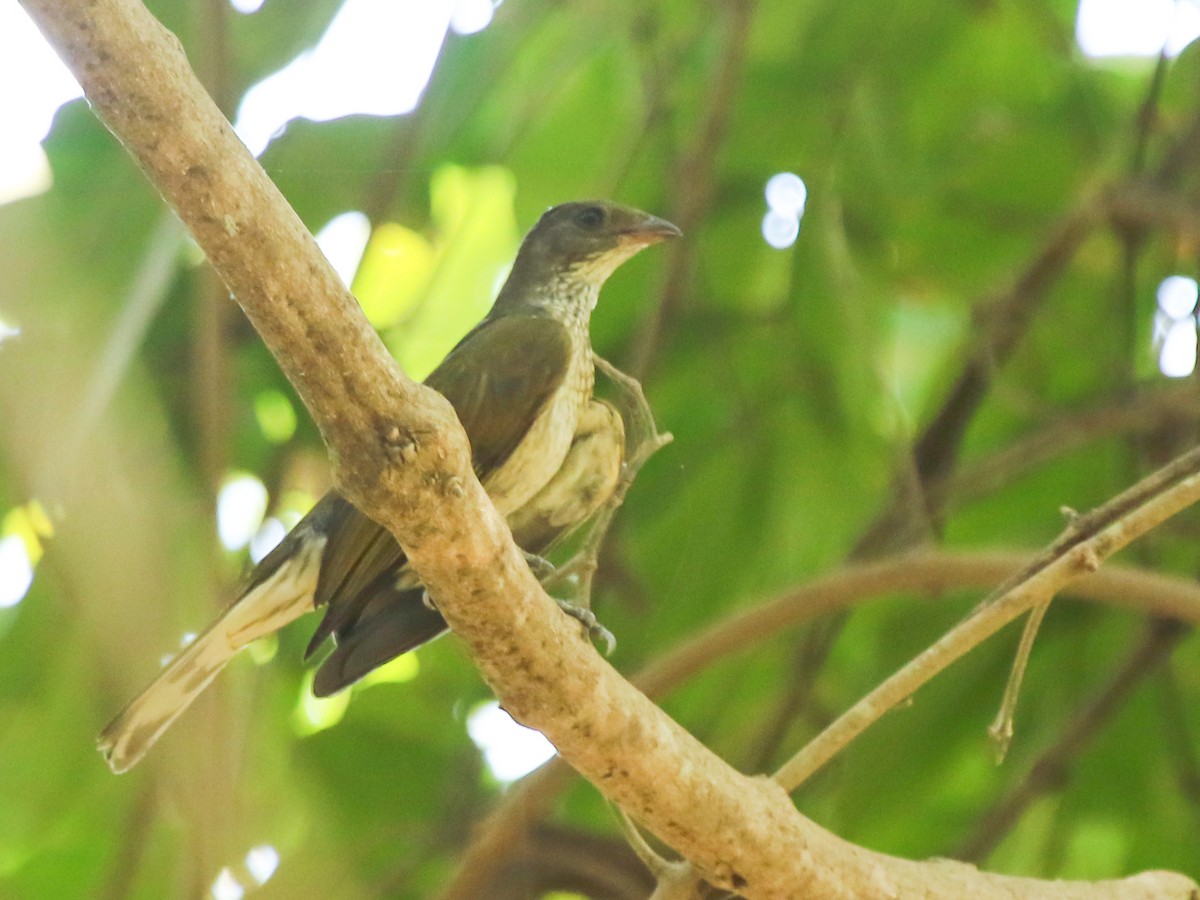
[[925, 574], [399, 454], [138, 80]]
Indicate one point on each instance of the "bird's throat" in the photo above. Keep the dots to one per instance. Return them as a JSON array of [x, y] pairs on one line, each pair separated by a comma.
[[571, 301]]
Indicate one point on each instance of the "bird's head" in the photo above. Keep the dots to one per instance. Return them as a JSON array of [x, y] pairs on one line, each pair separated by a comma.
[[586, 241]]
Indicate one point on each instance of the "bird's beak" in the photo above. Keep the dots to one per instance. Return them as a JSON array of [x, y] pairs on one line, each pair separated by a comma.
[[648, 230]]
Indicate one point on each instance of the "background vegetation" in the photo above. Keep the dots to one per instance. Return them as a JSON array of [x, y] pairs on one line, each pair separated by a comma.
[[959, 344]]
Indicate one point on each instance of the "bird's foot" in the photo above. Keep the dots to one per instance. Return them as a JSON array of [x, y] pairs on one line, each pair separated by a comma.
[[591, 625], [539, 565], [427, 599], [578, 570]]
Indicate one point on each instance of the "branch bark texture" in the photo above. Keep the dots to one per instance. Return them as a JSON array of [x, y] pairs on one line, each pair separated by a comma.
[[930, 574], [399, 455]]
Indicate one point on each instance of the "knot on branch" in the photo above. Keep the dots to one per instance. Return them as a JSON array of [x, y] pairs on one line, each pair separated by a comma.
[[416, 456], [400, 444]]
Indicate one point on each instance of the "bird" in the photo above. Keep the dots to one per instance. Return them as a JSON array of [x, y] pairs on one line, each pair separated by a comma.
[[395, 621], [521, 383]]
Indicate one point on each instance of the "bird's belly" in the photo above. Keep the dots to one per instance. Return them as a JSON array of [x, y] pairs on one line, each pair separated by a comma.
[[537, 457], [543, 449]]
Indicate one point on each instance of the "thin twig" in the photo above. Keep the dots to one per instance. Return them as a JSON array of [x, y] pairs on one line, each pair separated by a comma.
[[1146, 118], [1081, 548], [580, 863], [1179, 739], [1001, 730], [932, 575], [145, 297], [1050, 769]]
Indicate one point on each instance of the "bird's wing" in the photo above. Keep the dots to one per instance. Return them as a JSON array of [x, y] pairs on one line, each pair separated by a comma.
[[498, 379], [393, 621], [582, 485], [358, 555]]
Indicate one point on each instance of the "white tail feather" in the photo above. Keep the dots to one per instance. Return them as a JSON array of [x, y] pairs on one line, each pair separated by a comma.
[[277, 601]]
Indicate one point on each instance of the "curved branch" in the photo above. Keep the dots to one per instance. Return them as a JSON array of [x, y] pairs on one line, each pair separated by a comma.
[[1052, 767], [1082, 547], [930, 575], [400, 455], [1140, 411]]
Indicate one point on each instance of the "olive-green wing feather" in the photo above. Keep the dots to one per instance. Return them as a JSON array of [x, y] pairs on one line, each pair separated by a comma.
[[499, 378], [394, 620]]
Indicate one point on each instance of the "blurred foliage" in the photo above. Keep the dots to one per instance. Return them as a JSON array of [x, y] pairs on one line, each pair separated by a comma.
[[939, 142]]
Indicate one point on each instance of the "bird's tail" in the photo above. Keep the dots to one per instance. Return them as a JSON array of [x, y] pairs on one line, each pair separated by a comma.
[[268, 605]]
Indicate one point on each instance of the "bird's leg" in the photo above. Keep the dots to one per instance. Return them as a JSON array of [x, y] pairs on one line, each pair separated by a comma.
[[576, 571], [642, 437], [549, 575], [541, 567], [642, 440]]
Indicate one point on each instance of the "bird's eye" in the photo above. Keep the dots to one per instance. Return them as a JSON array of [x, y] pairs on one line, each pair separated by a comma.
[[590, 217]]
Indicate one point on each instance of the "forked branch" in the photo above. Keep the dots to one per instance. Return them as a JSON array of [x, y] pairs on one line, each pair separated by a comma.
[[400, 455]]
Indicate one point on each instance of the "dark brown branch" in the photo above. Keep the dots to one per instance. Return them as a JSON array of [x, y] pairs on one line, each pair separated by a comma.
[[1183, 154], [1143, 204], [1178, 739], [555, 859], [694, 186], [1146, 119], [794, 700], [1136, 412], [1001, 322]]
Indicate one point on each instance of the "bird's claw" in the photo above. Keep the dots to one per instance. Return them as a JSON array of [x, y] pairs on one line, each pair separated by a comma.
[[591, 625], [539, 565]]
